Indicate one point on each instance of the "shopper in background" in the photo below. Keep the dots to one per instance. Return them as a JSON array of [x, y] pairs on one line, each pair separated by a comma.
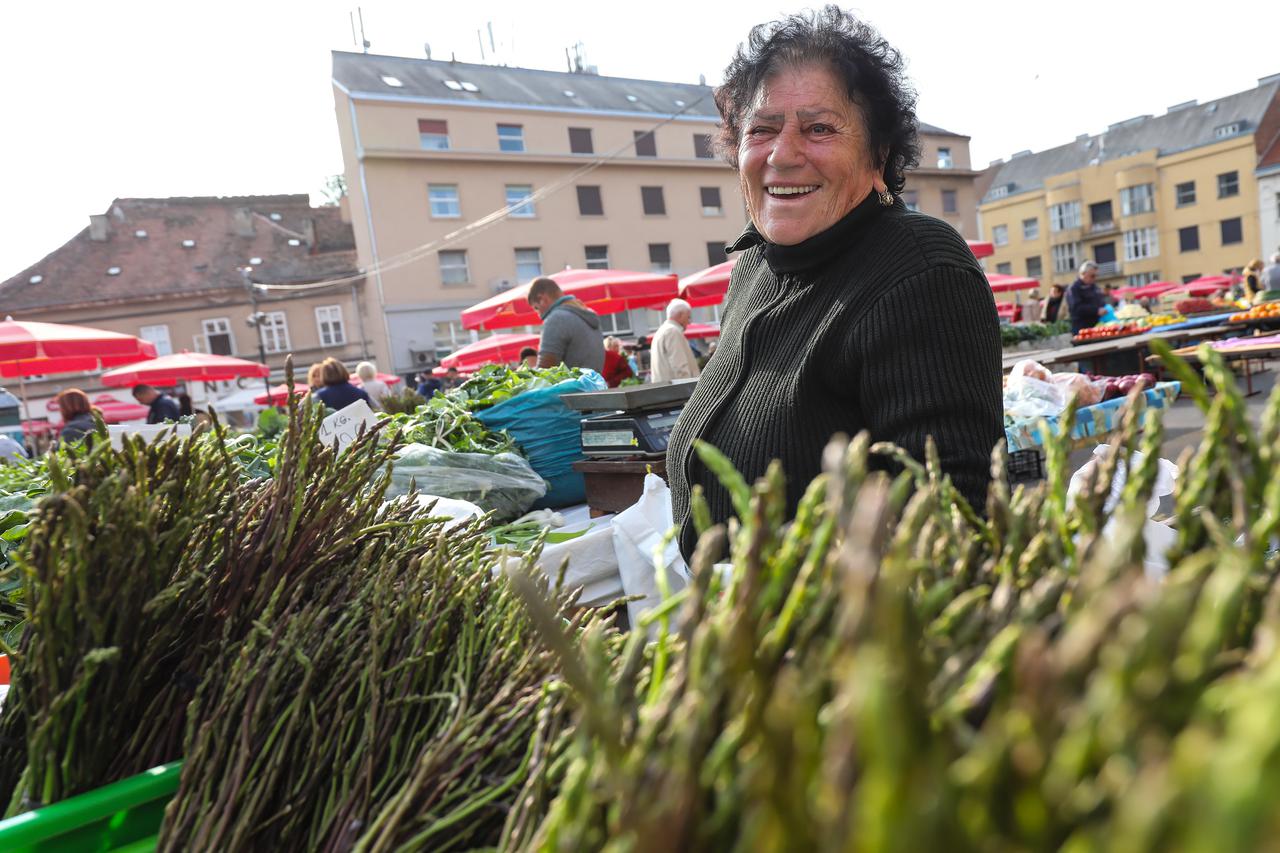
[[315, 376], [616, 367], [1252, 279], [1053, 304], [429, 385], [528, 357], [570, 330], [10, 450], [77, 416], [163, 407], [373, 386], [672, 357], [451, 378], [1085, 302], [1271, 275], [337, 392]]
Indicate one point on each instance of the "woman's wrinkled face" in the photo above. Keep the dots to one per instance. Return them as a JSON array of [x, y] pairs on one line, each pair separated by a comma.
[[804, 160]]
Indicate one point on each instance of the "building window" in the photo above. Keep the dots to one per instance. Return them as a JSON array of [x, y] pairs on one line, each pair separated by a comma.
[[518, 201], [217, 336], [329, 324], [158, 335], [654, 203], [716, 253], [1066, 257], [597, 257], [448, 335], [1192, 276], [616, 324], [949, 201], [1035, 267], [1189, 238], [444, 201], [911, 199], [274, 329], [711, 201], [580, 140], [1030, 229], [1228, 184], [510, 137], [528, 264], [1005, 268], [1135, 200], [1141, 243], [660, 257], [1186, 193], [1224, 130], [944, 158], [646, 145], [1232, 232], [453, 267], [1065, 215], [589, 202], [433, 134], [702, 146], [1100, 216], [1141, 278], [1000, 235]]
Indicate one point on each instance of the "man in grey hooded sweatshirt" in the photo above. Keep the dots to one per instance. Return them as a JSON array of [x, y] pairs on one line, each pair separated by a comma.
[[570, 330]]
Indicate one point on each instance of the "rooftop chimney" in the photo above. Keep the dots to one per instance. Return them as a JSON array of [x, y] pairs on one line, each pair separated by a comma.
[[1182, 106], [99, 228], [242, 222], [1270, 78]]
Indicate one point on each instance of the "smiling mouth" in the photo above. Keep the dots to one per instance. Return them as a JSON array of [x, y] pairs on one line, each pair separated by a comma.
[[790, 192]]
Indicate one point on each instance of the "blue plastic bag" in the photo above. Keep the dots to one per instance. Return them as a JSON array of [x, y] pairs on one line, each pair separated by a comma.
[[550, 434], [1108, 315]]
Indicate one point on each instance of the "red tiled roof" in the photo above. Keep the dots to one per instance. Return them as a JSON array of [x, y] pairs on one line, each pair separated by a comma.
[[158, 264]]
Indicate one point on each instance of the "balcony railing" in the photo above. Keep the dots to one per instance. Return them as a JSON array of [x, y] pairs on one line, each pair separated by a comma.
[[1102, 228], [1110, 269]]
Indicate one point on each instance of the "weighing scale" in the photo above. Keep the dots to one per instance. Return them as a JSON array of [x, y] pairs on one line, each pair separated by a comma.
[[632, 421], [624, 438]]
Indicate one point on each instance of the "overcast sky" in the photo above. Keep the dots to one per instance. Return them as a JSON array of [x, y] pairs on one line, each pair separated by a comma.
[[113, 99]]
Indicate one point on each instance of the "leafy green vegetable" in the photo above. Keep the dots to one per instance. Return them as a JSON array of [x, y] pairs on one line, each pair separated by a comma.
[[496, 383]]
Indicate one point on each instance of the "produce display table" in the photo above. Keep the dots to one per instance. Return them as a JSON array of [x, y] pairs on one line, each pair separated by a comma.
[[1246, 350], [1092, 423], [1136, 344]]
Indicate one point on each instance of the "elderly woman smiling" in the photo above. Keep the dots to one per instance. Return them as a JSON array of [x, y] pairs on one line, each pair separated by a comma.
[[845, 312]]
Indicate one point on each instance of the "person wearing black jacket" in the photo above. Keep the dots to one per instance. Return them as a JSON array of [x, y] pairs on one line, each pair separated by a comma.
[[1085, 300], [846, 312], [162, 406]]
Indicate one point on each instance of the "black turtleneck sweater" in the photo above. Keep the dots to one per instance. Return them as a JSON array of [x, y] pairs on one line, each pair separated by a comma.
[[884, 322]]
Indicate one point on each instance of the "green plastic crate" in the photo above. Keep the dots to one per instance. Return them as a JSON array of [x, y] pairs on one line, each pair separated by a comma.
[[123, 816]]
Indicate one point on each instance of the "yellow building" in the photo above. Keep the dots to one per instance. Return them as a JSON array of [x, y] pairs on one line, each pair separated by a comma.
[[1167, 198]]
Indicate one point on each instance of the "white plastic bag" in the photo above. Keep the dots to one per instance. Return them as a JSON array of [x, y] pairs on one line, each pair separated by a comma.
[[642, 541], [1031, 398], [1159, 537], [504, 483]]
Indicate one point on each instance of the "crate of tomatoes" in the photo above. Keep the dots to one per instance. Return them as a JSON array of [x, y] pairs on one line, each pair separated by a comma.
[[1107, 331]]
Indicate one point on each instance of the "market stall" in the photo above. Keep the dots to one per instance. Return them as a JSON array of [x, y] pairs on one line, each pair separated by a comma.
[[605, 291]]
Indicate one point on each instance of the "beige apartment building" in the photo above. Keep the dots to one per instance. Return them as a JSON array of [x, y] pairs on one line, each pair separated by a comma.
[[590, 172], [1154, 198], [173, 271]]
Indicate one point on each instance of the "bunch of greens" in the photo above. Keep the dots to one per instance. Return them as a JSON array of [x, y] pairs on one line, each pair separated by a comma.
[[445, 422], [404, 402], [496, 383], [1016, 333]]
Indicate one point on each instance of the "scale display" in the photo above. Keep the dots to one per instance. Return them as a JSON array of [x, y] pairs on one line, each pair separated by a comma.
[[628, 434]]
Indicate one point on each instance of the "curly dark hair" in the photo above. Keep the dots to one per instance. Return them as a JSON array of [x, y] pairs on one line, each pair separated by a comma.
[[872, 71]]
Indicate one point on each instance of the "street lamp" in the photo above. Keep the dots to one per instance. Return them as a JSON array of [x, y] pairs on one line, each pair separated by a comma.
[[256, 319]]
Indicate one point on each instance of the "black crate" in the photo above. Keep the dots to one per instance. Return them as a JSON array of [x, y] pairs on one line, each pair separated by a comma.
[[1026, 465]]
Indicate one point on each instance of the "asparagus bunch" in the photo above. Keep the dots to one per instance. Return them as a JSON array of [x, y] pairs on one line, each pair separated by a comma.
[[892, 671]]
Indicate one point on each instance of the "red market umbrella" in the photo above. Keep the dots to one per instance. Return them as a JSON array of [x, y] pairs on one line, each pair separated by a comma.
[[184, 367], [494, 349], [1208, 284], [441, 370], [118, 411], [604, 291], [1006, 283], [701, 330], [279, 395], [709, 286], [981, 248], [1144, 291]]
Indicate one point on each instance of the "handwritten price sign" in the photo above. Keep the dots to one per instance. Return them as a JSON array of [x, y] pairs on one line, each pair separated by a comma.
[[343, 426]]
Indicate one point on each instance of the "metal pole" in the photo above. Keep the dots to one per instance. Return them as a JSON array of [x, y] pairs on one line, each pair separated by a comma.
[[257, 325]]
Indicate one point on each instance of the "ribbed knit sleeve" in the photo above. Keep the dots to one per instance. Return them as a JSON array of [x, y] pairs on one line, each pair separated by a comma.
[[929, 356]]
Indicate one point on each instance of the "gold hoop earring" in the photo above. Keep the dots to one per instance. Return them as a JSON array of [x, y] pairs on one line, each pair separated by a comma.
[[886, 198]]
